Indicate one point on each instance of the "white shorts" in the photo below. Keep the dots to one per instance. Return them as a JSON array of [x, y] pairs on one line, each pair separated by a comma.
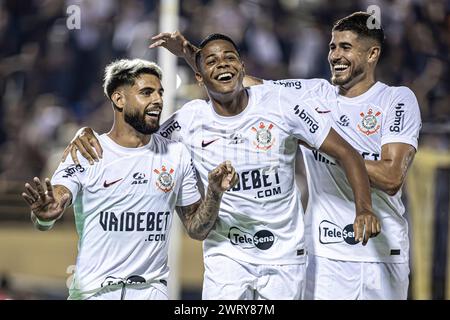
[[329, 279], [144, 291], [228, 279]]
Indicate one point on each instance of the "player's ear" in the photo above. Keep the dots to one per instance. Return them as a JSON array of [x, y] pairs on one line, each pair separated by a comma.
[[199, 78], [374, 54], [119, 100]]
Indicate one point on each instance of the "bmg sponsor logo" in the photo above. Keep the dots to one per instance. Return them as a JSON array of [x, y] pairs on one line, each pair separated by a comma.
[[399, 118], [170, 128], [263, 239], [289, 83], [330, 233], [307, 118], [72, 170]]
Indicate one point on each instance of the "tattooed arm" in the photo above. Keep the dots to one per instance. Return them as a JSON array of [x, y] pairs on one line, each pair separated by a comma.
[[388, 174], [199, 218], [46, 206]]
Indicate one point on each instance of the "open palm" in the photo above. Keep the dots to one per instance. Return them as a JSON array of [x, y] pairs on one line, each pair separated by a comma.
[[43, 203]]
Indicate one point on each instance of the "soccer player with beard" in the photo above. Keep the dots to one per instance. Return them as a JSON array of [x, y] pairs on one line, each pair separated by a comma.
[[256, 249], [382, 123], [124, 203]]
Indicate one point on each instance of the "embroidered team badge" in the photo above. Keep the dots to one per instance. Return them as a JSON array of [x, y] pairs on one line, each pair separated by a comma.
[[264, 139], [369, 122], [164, 181]]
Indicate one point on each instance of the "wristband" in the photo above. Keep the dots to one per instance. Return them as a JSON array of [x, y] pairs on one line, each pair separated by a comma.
[[45, 223]]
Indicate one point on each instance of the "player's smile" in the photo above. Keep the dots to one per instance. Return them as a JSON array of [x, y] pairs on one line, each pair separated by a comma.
[[340, 67], [341, 71], [153, 111], [224, 76]]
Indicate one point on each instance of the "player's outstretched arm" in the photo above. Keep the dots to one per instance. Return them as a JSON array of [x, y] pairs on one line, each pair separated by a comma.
[[200, 217], [177, 44], [389, 173], [46, 206], [87, 143], [366, 223]]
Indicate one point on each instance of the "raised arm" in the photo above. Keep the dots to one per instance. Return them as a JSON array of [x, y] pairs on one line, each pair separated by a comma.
[[388, 174], [366, 223], [200, 217], [177, 44], [46, 206]]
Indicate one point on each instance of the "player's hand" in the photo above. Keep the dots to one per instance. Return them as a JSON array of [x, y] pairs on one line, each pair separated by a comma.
[[366, 225], [85, 142], [42, 203], [222, 178], [176, 43]]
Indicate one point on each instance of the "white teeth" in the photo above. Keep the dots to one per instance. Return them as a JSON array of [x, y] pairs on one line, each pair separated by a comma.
[[340, 67], [224, 76], [153, 113]]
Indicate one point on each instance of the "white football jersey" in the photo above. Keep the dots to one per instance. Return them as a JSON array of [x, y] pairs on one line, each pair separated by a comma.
[[381, 115], [260, 219], [123, 208]]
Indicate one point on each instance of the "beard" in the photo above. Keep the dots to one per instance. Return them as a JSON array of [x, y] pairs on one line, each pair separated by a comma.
[[341, 81], [137, 121]]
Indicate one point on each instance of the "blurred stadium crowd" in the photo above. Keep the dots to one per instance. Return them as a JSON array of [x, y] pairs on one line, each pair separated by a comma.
[[50, 76]]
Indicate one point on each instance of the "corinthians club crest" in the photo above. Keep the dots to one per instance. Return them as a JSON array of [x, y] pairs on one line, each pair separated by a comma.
[[164, 181], [264, 139], [369, 122]]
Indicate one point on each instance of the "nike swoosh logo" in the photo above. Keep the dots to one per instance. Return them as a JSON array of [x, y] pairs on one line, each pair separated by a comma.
[[106, 184], [322, 111], [205, 144]]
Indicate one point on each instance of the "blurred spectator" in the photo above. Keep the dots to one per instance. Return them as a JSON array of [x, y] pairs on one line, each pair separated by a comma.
[[51, 76]]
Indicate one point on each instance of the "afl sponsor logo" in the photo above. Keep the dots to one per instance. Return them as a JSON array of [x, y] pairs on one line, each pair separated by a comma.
[[263, 239], [369, 123], [139, 175], [139, 178], [330, 233], [344, 121], [164, 181]]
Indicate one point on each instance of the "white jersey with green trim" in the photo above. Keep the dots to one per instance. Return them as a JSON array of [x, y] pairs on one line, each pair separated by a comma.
[[381, 115], [260, 219], [123, 208]]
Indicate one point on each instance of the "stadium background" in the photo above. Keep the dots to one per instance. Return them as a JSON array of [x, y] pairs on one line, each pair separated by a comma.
[[50, 85]]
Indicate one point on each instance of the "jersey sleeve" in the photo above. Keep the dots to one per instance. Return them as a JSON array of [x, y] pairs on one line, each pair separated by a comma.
[[300, 118], [71, 176], [288, 83], [402, 122], [176, 125], [188, 192]]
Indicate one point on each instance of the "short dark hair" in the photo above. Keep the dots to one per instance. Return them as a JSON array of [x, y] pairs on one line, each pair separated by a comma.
[[125, 71], [210, 38], [357, 22]]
